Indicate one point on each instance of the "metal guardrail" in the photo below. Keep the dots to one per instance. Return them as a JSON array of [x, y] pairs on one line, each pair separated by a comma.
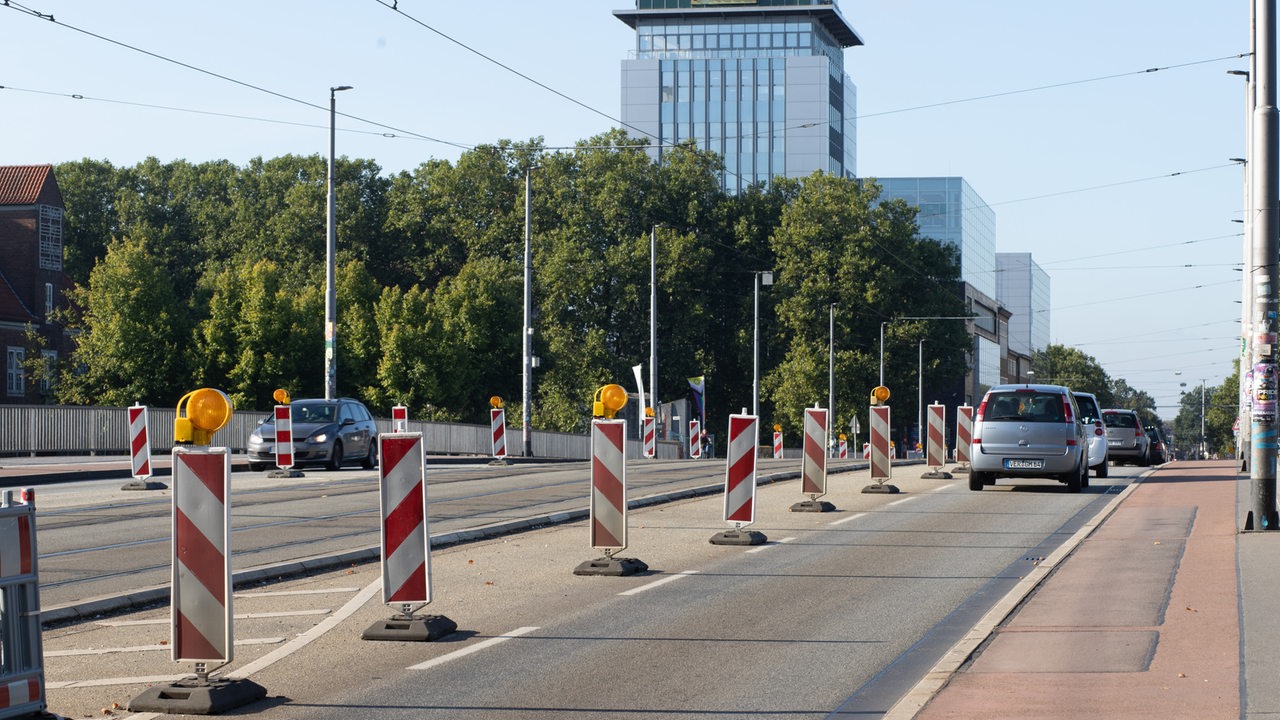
[[77, 430]]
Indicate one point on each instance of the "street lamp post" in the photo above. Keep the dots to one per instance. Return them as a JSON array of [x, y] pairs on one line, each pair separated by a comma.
[[331, 251], [831, 374], [526, 394], [920, 398], [764, 277], [1203, 449], [886, 322], [653, 328]]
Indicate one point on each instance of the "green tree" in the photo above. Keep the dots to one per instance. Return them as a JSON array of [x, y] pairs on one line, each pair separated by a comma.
[[130, 333], [1061, 365]]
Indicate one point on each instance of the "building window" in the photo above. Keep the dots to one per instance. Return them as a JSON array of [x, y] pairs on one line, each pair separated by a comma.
[[48, 301], [50, 238], [50, 358], [13, 376]]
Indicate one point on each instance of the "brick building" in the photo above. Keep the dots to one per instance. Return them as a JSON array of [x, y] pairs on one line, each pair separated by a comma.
[[32, 283]]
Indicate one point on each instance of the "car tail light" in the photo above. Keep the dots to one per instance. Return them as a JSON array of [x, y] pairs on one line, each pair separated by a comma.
[[1066, 409], [1137, 432], [982, 410], [1098, 428]]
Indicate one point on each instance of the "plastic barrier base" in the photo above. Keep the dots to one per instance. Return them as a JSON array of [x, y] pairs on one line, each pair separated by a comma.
[[144, 485], [936, 475], [611, 566], [813, 506], [194, 697], [881, 488], [278, 473], [960, 469], [424, 628], [739, 537]]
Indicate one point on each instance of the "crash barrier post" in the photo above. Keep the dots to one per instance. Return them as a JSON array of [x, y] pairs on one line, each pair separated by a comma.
[[843, 449], [399, 419], [881, 452], [650, 432], [498, 428], [608, 504], [140, 451], [964, 437], [200, 594], [936, 447], [695, 439], [406, 543], [740, 482], [813, 465], [777, 444], [21, 656], [284, 436]]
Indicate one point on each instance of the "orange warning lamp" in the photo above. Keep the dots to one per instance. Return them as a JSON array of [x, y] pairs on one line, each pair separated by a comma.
[[648, 412], [495, 402], [842, 437], [206, 411], [777, 427], [608, 401], [879, 394], [281, 396]]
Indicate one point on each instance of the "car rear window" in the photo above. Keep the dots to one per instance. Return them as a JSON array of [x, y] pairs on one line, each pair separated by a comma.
[[1088, 408], [1120, 420], [1024, 407]]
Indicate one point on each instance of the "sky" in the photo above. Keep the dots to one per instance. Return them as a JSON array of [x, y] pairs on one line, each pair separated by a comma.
[[1119, 181]]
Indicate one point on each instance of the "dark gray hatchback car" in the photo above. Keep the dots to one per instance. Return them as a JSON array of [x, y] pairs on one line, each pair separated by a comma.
[[1031, 431], [332, 433]]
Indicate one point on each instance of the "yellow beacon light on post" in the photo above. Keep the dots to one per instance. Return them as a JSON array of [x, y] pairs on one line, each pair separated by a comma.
[[206, 411], [608, 401], [495, 402], [879, 394], [281, 396]]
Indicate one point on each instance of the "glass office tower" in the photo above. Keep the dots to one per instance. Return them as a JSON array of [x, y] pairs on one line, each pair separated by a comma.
[[761, 82]]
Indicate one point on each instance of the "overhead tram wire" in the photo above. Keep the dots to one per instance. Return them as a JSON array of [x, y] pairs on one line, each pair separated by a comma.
[[11, 4], [1053, 86]]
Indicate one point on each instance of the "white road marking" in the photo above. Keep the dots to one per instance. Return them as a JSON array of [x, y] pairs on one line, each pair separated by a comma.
[[851, 518], [147, 648], [142, 680], [244, 616], [656, 583], [283, 593], [769, 545], [940, 488], [473, 649], [903, 500]]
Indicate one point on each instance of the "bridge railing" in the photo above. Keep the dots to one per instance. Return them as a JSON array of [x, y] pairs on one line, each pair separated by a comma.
[[97, 430]]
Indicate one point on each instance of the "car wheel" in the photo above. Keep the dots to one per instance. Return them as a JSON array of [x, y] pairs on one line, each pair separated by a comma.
[[1101, 470], [1074, 480], [371, 458], [1145, 460], [977, 480], [335, 457]]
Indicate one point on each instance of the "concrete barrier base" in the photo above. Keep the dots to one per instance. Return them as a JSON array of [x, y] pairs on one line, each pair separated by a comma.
[[614, 566], [419, 628], [193, 696], [739, 537]]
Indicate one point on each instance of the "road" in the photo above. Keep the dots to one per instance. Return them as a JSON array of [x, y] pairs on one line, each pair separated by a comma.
[[837, 616]]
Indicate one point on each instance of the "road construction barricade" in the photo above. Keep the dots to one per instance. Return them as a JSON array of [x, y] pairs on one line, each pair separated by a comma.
[[21, 655]]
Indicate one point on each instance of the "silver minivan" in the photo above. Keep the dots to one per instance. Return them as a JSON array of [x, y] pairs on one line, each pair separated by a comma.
[[1095, 431], [1127, 440], [1032, 431]]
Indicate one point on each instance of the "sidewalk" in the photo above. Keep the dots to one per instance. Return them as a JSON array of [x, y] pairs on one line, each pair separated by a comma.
[[1145, 620]]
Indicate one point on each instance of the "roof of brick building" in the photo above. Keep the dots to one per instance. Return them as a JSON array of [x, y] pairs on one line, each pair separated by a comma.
[[22, 184]]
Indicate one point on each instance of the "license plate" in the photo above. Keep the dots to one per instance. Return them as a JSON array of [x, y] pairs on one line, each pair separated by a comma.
[[1023, 464], [1114, 443]]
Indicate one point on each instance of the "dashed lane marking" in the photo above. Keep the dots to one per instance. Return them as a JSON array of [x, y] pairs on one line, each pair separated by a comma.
[[656, 583], [473, 649], [766, 546], [851, 518]]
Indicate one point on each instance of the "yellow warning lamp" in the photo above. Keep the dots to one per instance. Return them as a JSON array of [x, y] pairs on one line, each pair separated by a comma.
[[206, 410], [281, 396], [777, 427], [842, 436], [648, 412], [879, 394], [495, 402], [608, 401]]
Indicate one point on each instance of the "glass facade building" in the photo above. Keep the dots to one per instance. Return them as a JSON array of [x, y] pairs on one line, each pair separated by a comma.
[[1023, 288], [760, 82], [952, 212]]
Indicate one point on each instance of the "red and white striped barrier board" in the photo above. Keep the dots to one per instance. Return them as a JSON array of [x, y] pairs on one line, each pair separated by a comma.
[[843, 451], [866, 451], [201, 597], [399, 419], [740, 470], [608, 484], [498, 427], [777, 445], [284, 437], [650, 431], [964, 432], [21, 654], [695, 439], [139, 442], [937, 448], [813, 470], [881, 467], [406, 544]]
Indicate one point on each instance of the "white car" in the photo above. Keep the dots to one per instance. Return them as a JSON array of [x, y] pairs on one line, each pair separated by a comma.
[[1096, 430]]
